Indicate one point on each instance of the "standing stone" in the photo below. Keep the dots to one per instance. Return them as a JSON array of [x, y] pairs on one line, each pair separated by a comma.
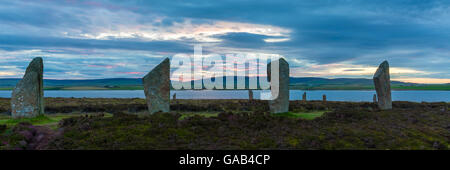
[[375, 98], [281, 103], [324, 98], [27, 98], [382, 83], [304, 97], [174, 98], [157, 88], [250, 94]]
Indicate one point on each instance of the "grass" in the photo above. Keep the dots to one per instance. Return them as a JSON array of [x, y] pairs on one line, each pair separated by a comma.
[[52, 120], [302, 115], [41, 120], [408, 126], [235, 124], [203, 114]]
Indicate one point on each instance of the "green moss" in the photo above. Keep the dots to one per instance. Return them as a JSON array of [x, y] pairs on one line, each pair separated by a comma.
[[240, 124], [203, 114], [302, 115], [41, 120], [293, 142]]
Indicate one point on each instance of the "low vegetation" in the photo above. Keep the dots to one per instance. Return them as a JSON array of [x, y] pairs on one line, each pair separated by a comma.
[[229, 124], [42, 120], [304, 115]]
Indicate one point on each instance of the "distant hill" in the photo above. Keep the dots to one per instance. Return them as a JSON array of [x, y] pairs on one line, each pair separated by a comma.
[[93, 82], [308, 83], [314, 83], [338, 81]]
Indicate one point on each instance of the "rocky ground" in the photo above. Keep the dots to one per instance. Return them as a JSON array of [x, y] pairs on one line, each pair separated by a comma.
[[239, 124]]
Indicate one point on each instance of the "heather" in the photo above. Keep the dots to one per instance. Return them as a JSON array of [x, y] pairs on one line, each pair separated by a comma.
[[231, 124]]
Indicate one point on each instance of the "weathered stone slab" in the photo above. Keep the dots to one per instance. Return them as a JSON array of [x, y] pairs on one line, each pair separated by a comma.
[[27, 98], [304, 97], [157, 88], [250, 94], [324, 98], [281, 89], [382, 83], [375, 98]]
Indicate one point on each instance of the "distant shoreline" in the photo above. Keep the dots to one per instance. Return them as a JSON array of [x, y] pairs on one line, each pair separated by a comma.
[[296, 83], [343, 89]]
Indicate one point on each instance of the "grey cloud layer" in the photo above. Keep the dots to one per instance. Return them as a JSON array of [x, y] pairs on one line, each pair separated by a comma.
[[410, 33]]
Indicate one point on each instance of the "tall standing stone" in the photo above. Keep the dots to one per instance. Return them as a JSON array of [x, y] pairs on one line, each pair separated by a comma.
[[382, 83], [281, 103], [157, 88], [375, 98], [27, 98], [304, 97], [324, 98]]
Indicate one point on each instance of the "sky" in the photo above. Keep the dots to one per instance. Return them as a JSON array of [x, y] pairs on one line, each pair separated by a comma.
[[81, 39]]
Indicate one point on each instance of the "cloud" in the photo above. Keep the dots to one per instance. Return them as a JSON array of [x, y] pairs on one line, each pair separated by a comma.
[[243, 40], [337, 70], [32, 42], [424, 80], [412, 35]]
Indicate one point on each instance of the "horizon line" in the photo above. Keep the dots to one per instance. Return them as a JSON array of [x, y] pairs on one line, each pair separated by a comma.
[[403, 80]]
